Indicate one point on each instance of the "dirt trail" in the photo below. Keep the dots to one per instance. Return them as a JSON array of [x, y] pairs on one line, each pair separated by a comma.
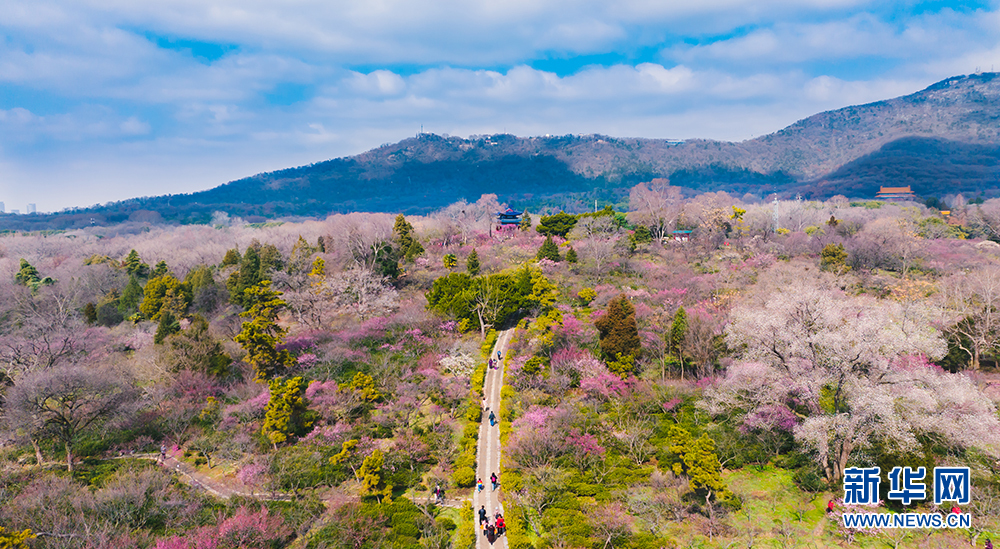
[[488, 451]]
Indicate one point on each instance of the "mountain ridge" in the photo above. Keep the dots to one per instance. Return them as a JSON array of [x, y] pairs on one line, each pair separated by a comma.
[[428, 171]]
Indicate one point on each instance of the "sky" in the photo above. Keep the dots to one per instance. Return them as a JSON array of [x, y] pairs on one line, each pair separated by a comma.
[[104, 100]]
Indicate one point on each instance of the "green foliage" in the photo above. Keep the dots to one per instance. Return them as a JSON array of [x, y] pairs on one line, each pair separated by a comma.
[[232, 257], [642, 235], [678, 329], [168, 326], [90, 313], [28, 276], [586, 296], [247, 276], [370, 475], [365, 386], [165, 293], [195, 349], [618, 330], [261, 335], [450, 261], [298, 260], [549, 250], [131, 297], [559, 224], [525, 223], [108, 314], [409, 247], [10, 539], [833, 258], [472, 263], [134, 266], [287, 411], [571, 256], [159, 270], [464, 477], [697, 460], [622, 365], [534, 365]]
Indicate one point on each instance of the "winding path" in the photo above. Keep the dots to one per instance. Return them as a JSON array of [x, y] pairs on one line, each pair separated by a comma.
[[488, 450]]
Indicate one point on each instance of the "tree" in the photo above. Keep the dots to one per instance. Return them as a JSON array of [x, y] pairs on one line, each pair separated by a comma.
[[232, 257], [195, 349], [618, 331], [28, 276], [525, 223], [833, 257], [450, 261], [90, 313], [974, 300], [839, 372], [472, 263], [247, 276], [549, 250], [697, 460], [134, 266], [261, 335], [556, 225], [15, 540], [655, 205], [371, 477], [168, 325], [65, 402], [571, 256], [128, 303], [287, 412], [159, 270], [164, 293], [409, 246], [675, 337]]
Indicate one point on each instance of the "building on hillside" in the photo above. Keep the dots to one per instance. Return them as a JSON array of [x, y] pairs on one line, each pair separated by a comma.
[[1, 208], [895, 193], [32, 209], [507, 218], [680, 236]]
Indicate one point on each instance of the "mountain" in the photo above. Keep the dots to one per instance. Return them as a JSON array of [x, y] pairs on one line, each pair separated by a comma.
[[939, 140]]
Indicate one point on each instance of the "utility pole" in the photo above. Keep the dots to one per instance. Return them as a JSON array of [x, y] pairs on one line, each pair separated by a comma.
[[775, 204]]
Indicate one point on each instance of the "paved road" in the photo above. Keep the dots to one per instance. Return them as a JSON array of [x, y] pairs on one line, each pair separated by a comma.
[[488, 452]]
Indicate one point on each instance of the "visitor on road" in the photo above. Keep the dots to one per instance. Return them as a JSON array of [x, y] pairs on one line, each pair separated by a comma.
[[482, 515], [491, 533], [495, 480], [499, 356], [163, 452], [479, 485], [493, 419], [502, 526]]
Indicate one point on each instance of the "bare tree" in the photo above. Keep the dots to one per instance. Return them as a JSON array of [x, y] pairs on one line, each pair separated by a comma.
[[65, 402], [974, 299]]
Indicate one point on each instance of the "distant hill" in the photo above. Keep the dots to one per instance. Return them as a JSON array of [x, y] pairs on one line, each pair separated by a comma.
[[939, 140]]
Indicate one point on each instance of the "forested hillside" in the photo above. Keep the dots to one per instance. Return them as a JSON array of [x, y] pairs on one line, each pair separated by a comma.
[[312, 384], [941, 140]]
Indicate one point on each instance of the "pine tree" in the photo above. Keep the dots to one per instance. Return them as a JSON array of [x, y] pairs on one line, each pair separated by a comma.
[[287, 412], [450, 261], [246, 277], [90, 313], [159, 270], [409, 247], [618, 330], [168, 326], [675, 336], [370, 475], [134, 266], [131, 297], [232, 257], [549, 250], [571, 255], [472, 263], [261, 335]]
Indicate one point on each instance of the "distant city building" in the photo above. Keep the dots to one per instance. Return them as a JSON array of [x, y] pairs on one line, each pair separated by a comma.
[[15, 212], [31, 208], [1, 208], [895, 193]]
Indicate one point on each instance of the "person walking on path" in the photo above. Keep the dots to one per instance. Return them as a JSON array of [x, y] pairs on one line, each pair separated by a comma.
[[493, 419], [482, 514], [163, 452], [479, 485], [494, 479], [502, 526]]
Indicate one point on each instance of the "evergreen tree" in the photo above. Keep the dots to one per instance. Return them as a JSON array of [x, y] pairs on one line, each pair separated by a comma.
[[261, 335], [90, 313], [247, 276], [571, 256], [675, 336], [159, 270], [472, 263], [28, 276], [697, 459], [525, 223], [232, 257], [549, 250], [618, 330], [556, 225], [165, 293], [128, 305], [833, 258], [134, 266], [168, 326], [287, 412], [370, 474], [409, 247], [450, 261]]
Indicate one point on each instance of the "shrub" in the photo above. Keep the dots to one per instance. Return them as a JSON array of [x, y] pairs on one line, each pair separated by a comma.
[[464, 477]]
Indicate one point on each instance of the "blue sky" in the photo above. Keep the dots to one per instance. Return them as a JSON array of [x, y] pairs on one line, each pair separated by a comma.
[[106, 100]]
